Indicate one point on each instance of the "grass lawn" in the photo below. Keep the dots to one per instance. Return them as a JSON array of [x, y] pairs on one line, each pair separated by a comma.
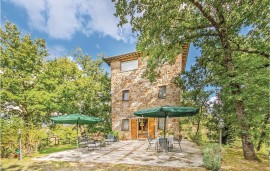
[[29, 165], [26, 163], [233, 159]]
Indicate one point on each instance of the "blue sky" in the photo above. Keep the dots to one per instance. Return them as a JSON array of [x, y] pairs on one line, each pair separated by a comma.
[[67, 24]]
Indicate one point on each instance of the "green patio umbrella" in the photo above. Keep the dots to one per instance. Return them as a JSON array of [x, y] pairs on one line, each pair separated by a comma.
[[77, 119], [170, 111]]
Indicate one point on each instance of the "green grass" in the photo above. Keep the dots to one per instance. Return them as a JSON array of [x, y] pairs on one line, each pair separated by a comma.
[[28, 164], [233, 160], [57, 148]]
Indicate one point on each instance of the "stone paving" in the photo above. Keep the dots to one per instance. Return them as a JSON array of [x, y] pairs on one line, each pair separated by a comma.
[[134, 152]]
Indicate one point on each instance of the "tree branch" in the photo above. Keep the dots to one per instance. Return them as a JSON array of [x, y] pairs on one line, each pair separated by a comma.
[[197, 27], [264, 54], [205, 14]]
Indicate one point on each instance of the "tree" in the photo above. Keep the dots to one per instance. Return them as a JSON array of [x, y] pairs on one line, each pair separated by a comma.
[[214, 26], [59, 80], [21, 64], [94, 89], [195, 91]]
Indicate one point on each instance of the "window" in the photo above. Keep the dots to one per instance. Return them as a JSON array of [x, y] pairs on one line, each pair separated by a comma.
[[162, 92], [129, 65], [125, 95], [125, 124], [160, 123]]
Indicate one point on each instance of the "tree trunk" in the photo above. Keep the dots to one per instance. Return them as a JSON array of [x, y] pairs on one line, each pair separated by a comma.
[[199, 122], [248, 147]]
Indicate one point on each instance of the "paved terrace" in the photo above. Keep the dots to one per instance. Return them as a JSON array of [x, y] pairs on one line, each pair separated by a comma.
[[134, 152]]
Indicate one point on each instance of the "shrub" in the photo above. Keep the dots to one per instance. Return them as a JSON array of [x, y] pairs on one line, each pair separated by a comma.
[[31, 136], [66, 133], [116, 135], [210, 157]]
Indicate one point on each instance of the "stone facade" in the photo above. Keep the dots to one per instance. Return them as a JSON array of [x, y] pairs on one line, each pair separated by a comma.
[[142, 93]]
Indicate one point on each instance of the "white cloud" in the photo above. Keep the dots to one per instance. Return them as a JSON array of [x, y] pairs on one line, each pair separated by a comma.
[[61, 19], [56, 51]]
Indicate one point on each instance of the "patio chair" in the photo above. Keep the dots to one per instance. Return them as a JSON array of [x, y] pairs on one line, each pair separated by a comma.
[[83, 141], [93, 144], [170, 142], [151, 142], [178, 141], [110, 139]]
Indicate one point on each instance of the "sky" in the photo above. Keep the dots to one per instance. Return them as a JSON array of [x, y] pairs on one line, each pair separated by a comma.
[[67, 24]]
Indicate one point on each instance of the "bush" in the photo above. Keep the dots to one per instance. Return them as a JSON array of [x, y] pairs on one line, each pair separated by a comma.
[[210, 157], [31, 136], [66, 133], [116, 135], [196, 138]]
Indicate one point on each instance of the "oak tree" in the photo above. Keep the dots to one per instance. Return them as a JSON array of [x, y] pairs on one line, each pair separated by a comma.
[[224, 30]]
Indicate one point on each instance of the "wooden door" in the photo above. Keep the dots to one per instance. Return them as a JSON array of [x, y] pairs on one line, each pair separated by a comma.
[[133, 129], [151, 129], [142, 127]]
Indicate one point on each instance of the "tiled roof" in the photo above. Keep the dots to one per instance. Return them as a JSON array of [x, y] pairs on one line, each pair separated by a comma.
[[123, 56], [138, 54]]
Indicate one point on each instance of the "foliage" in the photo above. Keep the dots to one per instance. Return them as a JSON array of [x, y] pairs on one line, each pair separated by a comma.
[[32, 136], [94, 90], [115, 134], [210, 157], [58, 79], [34, 89], [234, 47], [65, 133], [21, 63]]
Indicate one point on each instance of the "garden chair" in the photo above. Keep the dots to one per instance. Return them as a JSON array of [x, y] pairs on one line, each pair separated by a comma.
[[151, 142], [93, 144], [110, 139], [83, 141], [178, 141], [170, 142]]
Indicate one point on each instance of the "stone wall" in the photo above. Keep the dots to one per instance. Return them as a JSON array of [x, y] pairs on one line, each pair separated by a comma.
[[142, 93]]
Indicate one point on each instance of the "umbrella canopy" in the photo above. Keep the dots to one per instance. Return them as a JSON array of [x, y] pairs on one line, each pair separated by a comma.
[[170, 111], [77, 119]]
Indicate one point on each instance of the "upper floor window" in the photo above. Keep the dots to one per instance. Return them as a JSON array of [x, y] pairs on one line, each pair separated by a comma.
[[125, 95], [129, 65], [162, 92]]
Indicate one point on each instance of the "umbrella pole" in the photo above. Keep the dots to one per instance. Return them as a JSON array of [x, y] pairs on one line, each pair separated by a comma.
[[77, 136], [164, 132]]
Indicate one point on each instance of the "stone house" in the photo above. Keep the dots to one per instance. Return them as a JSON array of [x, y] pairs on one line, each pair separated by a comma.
[[131, 92]]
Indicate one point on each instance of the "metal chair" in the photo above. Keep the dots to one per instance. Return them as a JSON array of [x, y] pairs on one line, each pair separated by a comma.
[[110, 139], [83, 141], [170, 142], [178, 141], [151, 142], [93, 144]]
